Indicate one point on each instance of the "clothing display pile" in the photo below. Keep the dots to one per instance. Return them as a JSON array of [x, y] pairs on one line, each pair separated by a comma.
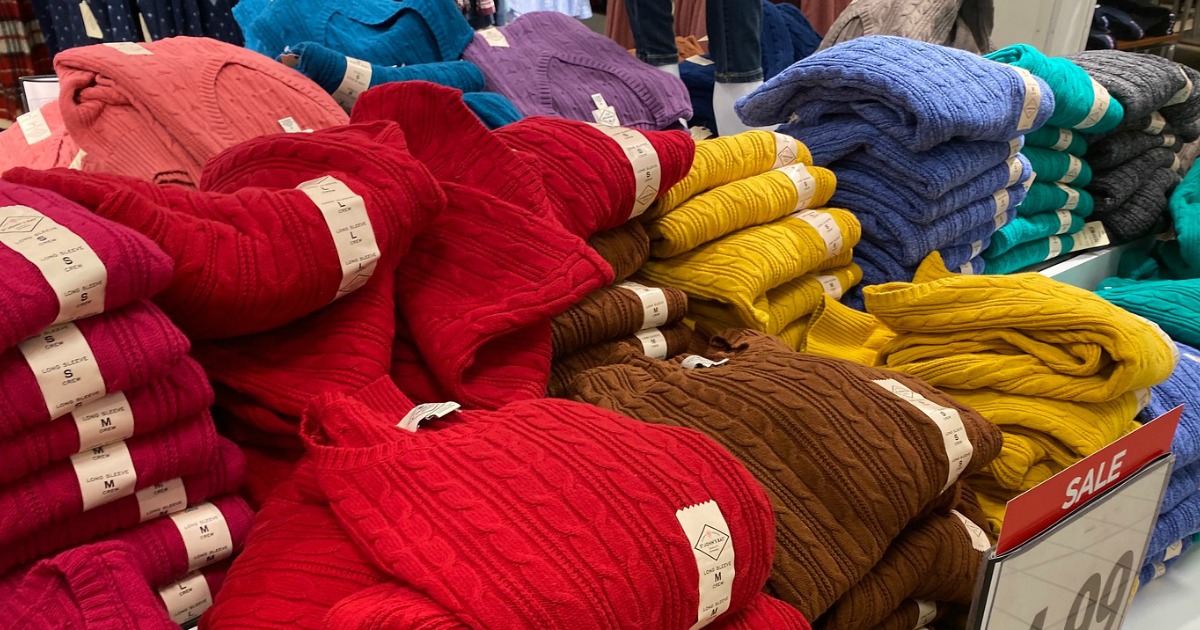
[[66, 24], [924, 145], [1051, 220]]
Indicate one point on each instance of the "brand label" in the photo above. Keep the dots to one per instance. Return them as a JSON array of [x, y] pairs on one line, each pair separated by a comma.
[[1100, 102], [129, 48], [105, 474], [1074, 167], [654, 303], [494, 37], [604, 114], [786, 150], [1072, 197], [1001, 198], [827, 227], [77, 161], [107, 420], [654, 343], [1143, 397], [1157, 123], [1065, 137], [954, 434], [1168, 140], [1160, 570], [1176, 165], [806, 186], [356, 81], [205, 535], [186, 599], [1033, 100], [34, 127], [700, 60], [1092, 235], [711, 542], [1064, 221], [1184, 92], [979, 539], [1014, 171], [91, 27], [1055, 248], [161, 499], [346, 215], [290, 125], [70, 266], [976, 248], [926, 613], [1014, 145], [1173, 551], [967, 268], [65, 368], [831, 286], [427, 411], [696, 361], [643, 159]]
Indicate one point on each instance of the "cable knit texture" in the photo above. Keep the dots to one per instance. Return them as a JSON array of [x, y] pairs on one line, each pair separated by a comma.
[[625, 248], [677, 338], [1178, 390], [1168, 303], [1079, 101], [1059, 139], [1142, 84], [34, 149], [785, 304], [1058, 166], [1144, 212], [1123, 146], [613, 312], [966, 25]]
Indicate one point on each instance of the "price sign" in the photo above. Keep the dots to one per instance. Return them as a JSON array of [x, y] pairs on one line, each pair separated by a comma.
[[1077, 571]]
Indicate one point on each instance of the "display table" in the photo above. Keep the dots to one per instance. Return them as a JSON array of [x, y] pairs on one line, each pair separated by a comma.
[[1172, 602]]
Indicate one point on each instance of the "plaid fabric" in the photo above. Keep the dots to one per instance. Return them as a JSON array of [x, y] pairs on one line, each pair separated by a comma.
[[22, 52]]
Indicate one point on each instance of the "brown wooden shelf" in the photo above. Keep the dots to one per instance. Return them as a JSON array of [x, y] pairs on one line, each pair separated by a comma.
[[1147, 42]]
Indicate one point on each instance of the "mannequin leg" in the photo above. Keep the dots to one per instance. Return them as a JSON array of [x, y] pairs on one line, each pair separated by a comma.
[[734, 28], [653, 28]]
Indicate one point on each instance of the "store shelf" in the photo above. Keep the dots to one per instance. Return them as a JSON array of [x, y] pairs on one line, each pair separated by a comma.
[[1148, 42], [1170, 602], [1086, 269]]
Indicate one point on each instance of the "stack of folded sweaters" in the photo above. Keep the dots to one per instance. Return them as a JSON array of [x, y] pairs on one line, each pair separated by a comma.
[[1058, 370], [923, 140], [747, 237], [398, 519], [828, 438], [1137, 165], [107, 433], [1179, 515], [38, 139], [1050, 221]]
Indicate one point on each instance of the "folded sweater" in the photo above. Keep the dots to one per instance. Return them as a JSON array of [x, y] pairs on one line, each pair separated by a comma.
[[1080, 102], [625, 248], [785, 304], [1170, 304], [1141, 83], [664, 342], [1043, 197], [1123, 146], [1059, 139], [37, 139], [1178, 390], [1058, 166], [616, 311], [1024, 229]]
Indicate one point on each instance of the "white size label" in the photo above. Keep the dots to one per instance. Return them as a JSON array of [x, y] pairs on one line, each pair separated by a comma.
[[205, 535], [604, 114], [654, 343], [967, 268], [654, 303], [1143, 397], [1168, 140], [346, 215], [643, 159], [696, 361], [700, 60], [1055, 247], [1001, 217], [1184, 92], [1173, 551], [1001, 198], [787, 150], [1074, 168], [145, 29], [129, 48], [1176, 165], [105, 474], [1033, 100], [91, 27], [77, 161], [290, 125], [65, 368], [1157, 123], [161, 499], [826, 227], [1101, 100], [954, 434], [1064, 221], [1091, 236], [1014, 171], [1065, 137], [1072, 201], [806, 186], [1160, 570], [107, 420], [70, 266], [356, 81], [831, 286], [34, 126], [926, 613], [494, 37], [186, 599], [711, 542], [1014, 145], [976, 248], [979, 539], [427, 411]]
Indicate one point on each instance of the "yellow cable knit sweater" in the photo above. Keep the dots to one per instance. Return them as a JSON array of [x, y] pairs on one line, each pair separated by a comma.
[[786, 303]]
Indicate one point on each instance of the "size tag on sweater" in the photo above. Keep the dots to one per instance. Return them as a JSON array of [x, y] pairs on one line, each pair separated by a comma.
[[356, 81], [1014, 145], [976, 248], [1168, 140], [967, 268], [494, 37], [1014, 171], [696, 361], [34, 127], [926, 612], [786, 150], [1100, 102], [654, 343], [643, 159], [65, 368], [1055, 248], [290, 125], [104, 421], [954, 434], [1072, 196], [1091, 236], [604, 114], [1065, 137], [1001, 198], [831, 286], [708, 536], [1074, 167], [654, 303], [1144, 396], [700, 60], [105, 474], [161, 499], [346, 215], [205, 535], [979, 539], [1033, 100], [1064, 221], [77, 161], [91, 27], [1173, 551], [186, 599], [1000, 219], [1157, 123], [1176, 165], [427, 411], [827, 227], [129, 48], [1184, 92], [70, 266], [806, 186]]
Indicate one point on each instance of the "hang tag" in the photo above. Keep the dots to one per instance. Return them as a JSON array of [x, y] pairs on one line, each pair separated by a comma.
[[787, 150], [34, 127], [1091, 236], [976, 248], [1072, 196], [65, 368], [654, 343], [205, 535], [926, 612], [91, 27], [979, 539], [1074, 168], [1056, 247], [1101, 100], [643, 159], [1033, 100], [346, 215], [67, 262], [654, 303], [1184, 92], [1064, 221], [105, 421], [1065, 137], [105, 474], [1014, 171], [161, 499], [827, 227], [709, 537], [129, 48], [356, 81], [604, 114], [494, 37], [428, 411], [146, 37], [1157, 124], [77, 161], [806, 186], [700, 60], [831, 286], [954, 434], [696, 361], [186, 599], [967, 268]]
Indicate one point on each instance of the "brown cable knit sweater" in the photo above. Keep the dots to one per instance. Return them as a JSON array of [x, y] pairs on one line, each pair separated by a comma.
[[675, 339], [626, 248], [615, 312]]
